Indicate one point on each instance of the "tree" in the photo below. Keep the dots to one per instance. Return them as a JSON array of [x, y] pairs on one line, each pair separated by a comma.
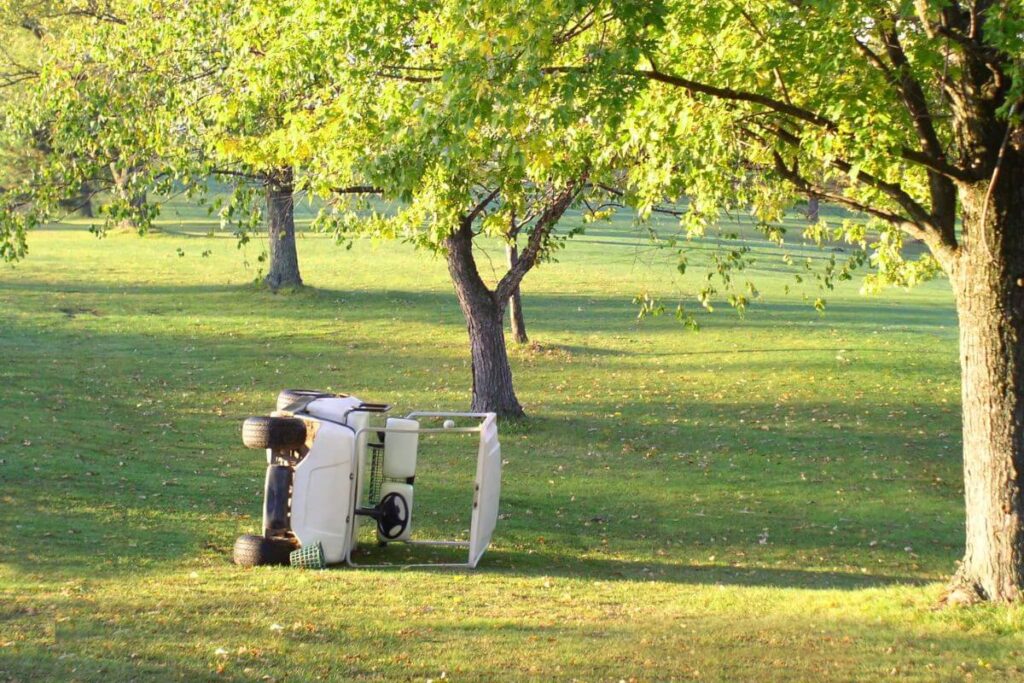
[[517, 321], [162, 67], [484, 307], [239, 104], [909, 113], [58, 120], [23, 29], [394, 99], [403, 106]]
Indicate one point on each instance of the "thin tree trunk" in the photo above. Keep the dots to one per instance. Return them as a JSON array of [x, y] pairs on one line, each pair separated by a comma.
[[812, 208], [988, 278], [515, 302], [284, 258], [122, 186], [139, 199], [81, 205], [484, 313]]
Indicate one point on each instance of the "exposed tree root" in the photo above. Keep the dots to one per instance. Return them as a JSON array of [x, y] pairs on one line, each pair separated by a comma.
[[962, 592]]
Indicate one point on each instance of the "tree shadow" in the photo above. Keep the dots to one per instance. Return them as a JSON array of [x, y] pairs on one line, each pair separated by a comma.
[[499, 562], [547, 312], [588, 568]]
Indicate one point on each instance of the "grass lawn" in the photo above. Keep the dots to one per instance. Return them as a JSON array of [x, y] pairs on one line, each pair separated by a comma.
[[772, 498]]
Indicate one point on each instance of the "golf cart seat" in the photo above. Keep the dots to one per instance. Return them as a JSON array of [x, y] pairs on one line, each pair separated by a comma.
[[399, 469], [400, 449]]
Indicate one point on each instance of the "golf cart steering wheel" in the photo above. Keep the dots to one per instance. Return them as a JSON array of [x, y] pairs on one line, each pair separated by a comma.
[[394, 516]]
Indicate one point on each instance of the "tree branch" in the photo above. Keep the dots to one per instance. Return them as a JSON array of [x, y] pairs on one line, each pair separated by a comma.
[[479, 208], [942, 251], [927, 160], [616, 192], [941, 167], [893, 190], [913, 95], [357, 189], [542, 229], [740, 96], [764, 38]]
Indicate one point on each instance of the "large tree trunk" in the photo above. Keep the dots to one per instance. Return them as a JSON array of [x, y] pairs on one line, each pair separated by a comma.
[[515, 302], [484, 313], [988, 278], [284, 258]]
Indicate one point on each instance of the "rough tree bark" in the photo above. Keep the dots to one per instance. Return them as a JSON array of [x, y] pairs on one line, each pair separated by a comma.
[[284, 258], [515, 302], [988, 279], [485, 313]]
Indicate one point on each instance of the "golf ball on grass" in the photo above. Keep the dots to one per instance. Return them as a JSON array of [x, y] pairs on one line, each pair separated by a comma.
[[448, 424]]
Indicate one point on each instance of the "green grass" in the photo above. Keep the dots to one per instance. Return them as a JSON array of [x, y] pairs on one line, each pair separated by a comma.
[[774, 498]]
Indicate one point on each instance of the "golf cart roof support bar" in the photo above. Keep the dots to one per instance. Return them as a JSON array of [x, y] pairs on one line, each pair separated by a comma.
[[484, 417], [453, 544], [422, 430]]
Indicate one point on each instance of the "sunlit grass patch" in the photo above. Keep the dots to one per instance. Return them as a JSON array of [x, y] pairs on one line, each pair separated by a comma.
[[775, 498]]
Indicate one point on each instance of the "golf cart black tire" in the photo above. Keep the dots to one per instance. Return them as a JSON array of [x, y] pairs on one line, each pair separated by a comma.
[[273, 432], [290, 396], [255, 551]]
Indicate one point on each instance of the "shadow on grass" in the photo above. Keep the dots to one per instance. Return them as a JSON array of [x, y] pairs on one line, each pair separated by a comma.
[[711, 574], [517, 564], [588, 568], [547, 313]]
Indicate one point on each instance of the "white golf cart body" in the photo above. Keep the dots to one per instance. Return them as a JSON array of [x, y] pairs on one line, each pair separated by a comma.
[[331, 480]]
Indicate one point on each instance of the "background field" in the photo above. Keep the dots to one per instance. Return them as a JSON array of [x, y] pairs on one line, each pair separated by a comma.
[[773, 498]]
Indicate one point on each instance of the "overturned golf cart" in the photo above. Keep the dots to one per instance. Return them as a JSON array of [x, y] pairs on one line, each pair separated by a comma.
[[334, 461]]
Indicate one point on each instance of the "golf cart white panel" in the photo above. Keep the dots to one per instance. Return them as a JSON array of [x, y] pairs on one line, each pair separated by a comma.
[[335, 409], [487, 490], [400, 448], [323, 489]]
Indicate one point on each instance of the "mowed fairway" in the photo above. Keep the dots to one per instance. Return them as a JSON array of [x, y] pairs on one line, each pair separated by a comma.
[[772, 498]]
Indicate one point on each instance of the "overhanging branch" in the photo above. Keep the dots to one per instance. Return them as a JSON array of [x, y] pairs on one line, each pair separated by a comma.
[[788, 109], [942, 251], [894, 191]]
